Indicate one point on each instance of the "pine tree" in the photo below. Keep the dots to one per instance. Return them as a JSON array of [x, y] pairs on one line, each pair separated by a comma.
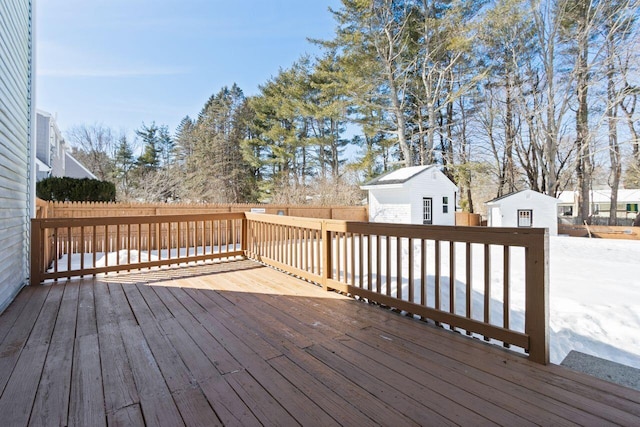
[[165, 147], [216, 170], [124, 162], [149, 160]]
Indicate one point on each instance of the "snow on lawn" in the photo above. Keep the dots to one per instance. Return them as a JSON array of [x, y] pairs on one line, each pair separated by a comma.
[[133, 256], [595, 298]]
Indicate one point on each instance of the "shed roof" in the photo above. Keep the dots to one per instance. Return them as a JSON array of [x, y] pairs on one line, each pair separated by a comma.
[[518, 192], [398, 176]]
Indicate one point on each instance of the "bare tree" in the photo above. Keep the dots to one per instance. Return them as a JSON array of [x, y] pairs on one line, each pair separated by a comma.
[[549, 97], [94, 146], [389, 31]]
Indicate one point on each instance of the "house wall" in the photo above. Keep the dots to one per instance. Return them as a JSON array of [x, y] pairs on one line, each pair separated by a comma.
[[434, 184], [504, 213], [15, 145], [600, 203], [390, 205], [58, 160], [43, 138], [52, 151]]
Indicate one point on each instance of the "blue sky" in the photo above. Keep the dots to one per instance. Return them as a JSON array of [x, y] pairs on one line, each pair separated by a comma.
[[123, 62]]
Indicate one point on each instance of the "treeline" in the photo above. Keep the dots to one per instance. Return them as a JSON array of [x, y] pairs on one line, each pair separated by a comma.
[[504, 95]]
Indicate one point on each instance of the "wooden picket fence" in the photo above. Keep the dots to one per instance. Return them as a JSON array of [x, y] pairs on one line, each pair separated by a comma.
[[46, 209]]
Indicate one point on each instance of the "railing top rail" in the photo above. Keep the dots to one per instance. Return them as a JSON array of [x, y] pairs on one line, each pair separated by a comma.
[[489, 235], [292, 221], [512, 236], [123, 220]]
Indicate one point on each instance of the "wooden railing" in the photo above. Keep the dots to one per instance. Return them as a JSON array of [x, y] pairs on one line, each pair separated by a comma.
[[460, 277], [490, 283], [294, 245], [70, 247]]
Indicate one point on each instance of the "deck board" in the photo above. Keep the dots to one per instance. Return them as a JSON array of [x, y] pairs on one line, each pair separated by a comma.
[[25, 377], [236, 343], [86, 405], [119, 388], [496, 391], [52, 398]]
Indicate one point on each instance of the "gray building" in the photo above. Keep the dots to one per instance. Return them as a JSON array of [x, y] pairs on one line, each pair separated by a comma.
[[16, 118], [52, 155]]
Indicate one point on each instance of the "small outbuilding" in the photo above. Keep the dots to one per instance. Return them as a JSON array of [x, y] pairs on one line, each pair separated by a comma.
[[412, 195], [526, 208]]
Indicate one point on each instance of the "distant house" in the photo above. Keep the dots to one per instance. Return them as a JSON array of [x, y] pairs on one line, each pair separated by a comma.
[[16, 120], [526, 208], [52, 155], [627, 206], [412, 195]]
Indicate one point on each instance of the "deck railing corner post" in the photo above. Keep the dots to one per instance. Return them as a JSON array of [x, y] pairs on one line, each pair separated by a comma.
[[537, 298], [36, 252], [244, 246]]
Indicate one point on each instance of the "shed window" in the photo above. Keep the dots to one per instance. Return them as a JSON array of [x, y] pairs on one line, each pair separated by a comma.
[[566, 210], [632, 207], [445, 204], [525, 217]]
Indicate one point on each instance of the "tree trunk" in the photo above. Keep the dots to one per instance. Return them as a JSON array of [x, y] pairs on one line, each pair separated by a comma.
[[509, 138], [614, 147], [583, 165]]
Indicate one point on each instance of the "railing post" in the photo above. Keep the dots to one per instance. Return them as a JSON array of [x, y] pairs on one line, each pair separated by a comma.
[[537, 298], [327, 246], [244, 245], [36, 252]]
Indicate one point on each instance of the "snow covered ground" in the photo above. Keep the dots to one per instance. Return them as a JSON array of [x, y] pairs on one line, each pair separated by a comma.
[[595, 298], [594, 292]]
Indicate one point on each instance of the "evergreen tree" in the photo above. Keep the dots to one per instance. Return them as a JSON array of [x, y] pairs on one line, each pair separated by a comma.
[[216, 168], [165, 147], [149, 160], [124, 162]]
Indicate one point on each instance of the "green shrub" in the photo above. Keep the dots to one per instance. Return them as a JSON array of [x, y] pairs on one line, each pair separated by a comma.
[[75, 190]]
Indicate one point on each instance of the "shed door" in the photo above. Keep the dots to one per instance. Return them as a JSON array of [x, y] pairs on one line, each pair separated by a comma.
[[427, 210], [496, 217]]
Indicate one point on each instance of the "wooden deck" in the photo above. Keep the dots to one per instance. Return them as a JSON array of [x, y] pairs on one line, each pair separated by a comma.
[[237, 343]]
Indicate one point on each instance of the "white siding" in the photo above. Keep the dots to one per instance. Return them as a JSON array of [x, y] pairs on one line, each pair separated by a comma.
[[434, 184], [15, 124], [389, 205], [43, 138], [74, 169]]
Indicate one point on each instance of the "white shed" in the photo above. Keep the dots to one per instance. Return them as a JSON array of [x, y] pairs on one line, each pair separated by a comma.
[[526, 208], [412, 195]]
